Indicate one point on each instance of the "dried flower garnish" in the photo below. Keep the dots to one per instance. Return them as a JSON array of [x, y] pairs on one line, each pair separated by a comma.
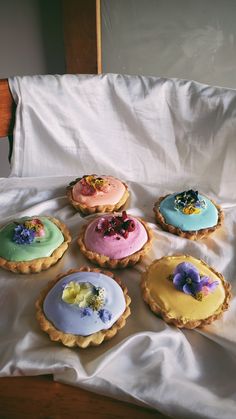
[[36, 225], [26, 232], [187, 279], [189, 203], [120, 225], [90, 184]]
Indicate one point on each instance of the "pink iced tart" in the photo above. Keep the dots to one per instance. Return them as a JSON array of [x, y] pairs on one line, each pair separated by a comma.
[[115, 241], [93, 193]]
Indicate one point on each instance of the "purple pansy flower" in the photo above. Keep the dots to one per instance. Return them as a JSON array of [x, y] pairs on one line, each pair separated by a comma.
[[186, 278], [105, 315], [23, 235]]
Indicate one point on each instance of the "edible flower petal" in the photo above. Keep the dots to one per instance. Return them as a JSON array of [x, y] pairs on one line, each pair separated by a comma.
[[23, 235], [105, 315], [188, 202], [116, 225], [187, 279]]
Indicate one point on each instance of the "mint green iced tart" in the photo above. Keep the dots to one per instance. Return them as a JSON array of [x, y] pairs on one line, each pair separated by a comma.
[[32, 244]]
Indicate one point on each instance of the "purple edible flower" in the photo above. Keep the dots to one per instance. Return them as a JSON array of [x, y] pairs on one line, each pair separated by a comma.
[[105, 315], [186, 278], [23, 235], [208, 285]]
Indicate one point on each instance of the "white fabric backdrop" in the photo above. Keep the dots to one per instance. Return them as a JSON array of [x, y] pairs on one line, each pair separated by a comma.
[[160, 136]]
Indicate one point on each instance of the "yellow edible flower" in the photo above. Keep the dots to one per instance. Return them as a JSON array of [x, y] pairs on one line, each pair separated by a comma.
[[95, 182], [191, 210], [79, 294]]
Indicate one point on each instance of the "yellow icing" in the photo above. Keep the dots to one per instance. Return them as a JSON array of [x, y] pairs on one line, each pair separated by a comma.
[[175, 303]]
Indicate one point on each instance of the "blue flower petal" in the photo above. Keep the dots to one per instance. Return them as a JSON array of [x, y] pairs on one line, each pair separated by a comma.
[[194, 275], [184, 268], [187, 289], [179, 281], [205, 280], [212, 285], [196, 287]]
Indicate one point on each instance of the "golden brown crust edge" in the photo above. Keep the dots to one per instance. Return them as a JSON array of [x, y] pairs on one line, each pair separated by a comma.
[[71, 340], [40, 264], [177, 322], [105, 261], [84, 209], [191, 235]]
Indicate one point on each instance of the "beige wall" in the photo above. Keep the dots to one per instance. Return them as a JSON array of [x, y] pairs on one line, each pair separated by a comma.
[[31, 42], [190, 39]]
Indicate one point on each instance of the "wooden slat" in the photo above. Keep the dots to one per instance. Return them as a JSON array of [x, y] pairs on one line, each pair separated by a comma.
[[40, 397], [80, 36], [7, 109]]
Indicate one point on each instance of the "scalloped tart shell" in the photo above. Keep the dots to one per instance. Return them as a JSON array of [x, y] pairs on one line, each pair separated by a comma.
[[105, 261], [72, 340], [191, 235], [84, 209], [180, 322], [40, 264]]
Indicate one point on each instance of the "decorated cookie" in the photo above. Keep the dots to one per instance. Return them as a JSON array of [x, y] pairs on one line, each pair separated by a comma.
[[188, 214], [92, 193], [83, 307], [115, 241], [32, 244], [185, 291]]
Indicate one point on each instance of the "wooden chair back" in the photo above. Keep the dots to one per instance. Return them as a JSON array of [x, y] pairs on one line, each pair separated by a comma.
[[7, 110]]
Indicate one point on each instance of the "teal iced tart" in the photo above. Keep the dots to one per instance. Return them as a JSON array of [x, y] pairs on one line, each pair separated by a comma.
[[32, 244], [188, 214], [83, 307]]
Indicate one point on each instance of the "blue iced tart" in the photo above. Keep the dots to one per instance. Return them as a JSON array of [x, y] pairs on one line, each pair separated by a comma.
[[83, 307], [188, 214]]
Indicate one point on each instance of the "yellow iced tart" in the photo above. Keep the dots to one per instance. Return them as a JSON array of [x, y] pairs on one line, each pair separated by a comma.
[[185, 291]]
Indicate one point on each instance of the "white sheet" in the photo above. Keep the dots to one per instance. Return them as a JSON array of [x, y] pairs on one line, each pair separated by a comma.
[[179, 134]]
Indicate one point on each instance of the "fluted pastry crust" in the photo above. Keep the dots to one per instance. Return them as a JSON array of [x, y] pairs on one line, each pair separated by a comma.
[[105, 262], [188, 324], [191, 235], [72, 340], [40, 264]]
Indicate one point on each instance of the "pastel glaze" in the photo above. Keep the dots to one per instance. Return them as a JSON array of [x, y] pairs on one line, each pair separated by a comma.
[[113, 193], [41, 247], [176, 303], [208, 217], [66, 317], [115, 247]]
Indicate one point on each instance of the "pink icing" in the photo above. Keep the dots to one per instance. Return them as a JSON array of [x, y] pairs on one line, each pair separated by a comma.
[[109, 196], [111, 246]]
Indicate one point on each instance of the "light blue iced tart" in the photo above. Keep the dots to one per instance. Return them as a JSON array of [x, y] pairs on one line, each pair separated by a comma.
[[32, 244], [83, 307], [188, 214]]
